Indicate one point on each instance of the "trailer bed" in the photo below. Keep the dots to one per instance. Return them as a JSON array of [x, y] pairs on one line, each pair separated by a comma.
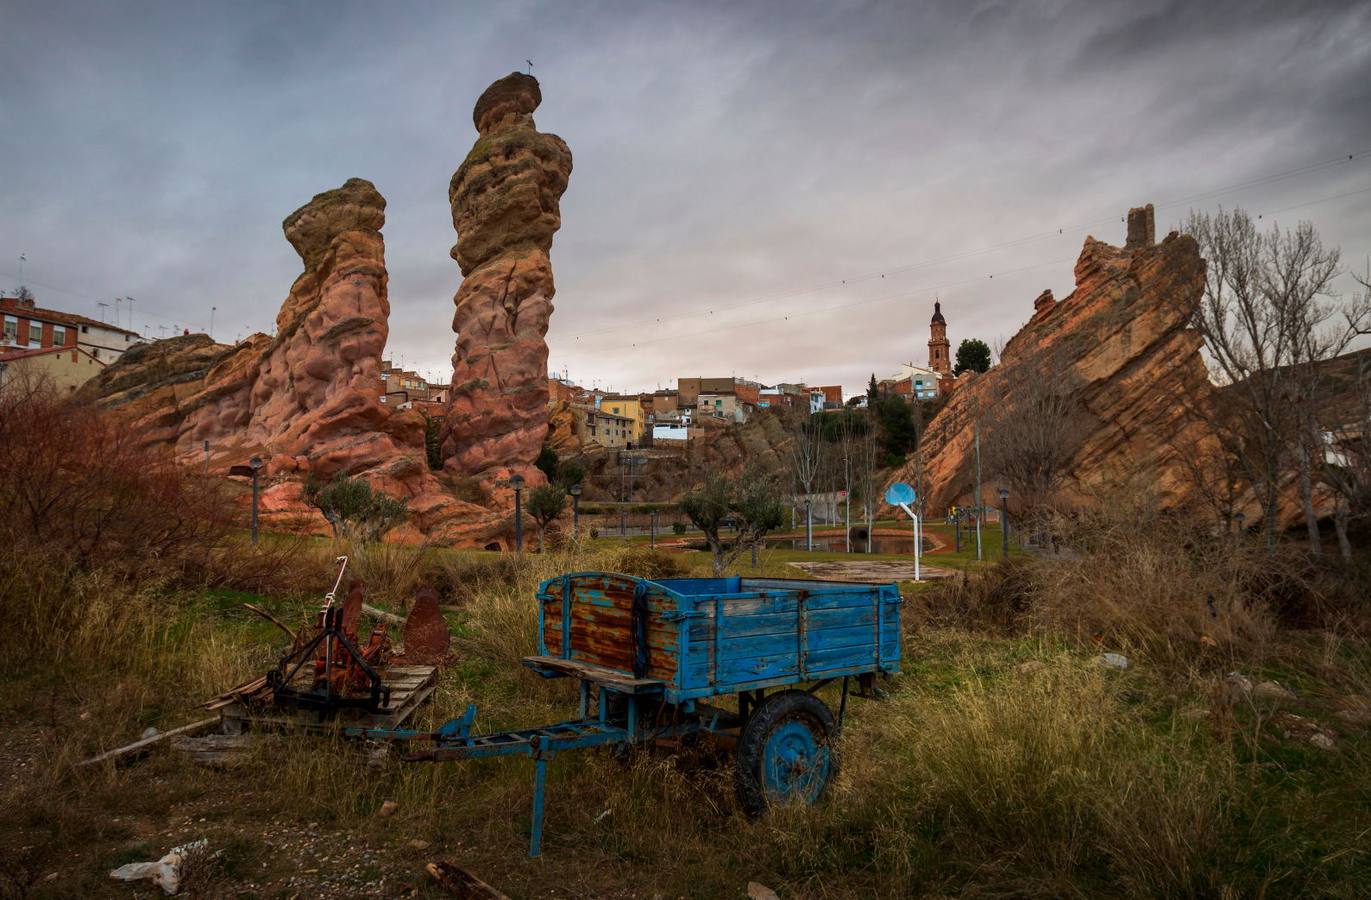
[[702, 637]]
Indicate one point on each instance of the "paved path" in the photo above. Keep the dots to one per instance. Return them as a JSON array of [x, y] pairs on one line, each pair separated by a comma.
[[880, 570]]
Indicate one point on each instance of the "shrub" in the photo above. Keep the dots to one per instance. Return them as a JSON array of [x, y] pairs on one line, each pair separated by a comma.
[[645, 562], [678, 528], [78, 488], [1133, 577], [544, 504], [433, 442], [354, 509], [547, 462]]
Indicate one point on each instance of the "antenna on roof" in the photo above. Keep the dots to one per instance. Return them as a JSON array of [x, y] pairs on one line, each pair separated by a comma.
[[22, 259], [530, 66], [103, 306]]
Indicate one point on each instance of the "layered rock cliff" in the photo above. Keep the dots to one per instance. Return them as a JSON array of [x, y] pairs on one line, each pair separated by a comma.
[[307, 400], [505, 206], [1120, 347]]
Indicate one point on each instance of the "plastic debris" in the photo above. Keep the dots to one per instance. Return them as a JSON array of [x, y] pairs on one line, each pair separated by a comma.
[[166, 872]]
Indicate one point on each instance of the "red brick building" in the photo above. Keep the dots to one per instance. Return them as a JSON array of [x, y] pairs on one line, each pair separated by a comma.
[[27, 326]]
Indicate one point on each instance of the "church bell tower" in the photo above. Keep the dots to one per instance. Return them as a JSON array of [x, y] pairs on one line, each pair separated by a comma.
[[939, 349]]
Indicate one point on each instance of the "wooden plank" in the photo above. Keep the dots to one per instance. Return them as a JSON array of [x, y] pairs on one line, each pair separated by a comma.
[[219, 750], [594, 673], [398, 714], [462, 883], [751, 668], [144, 743]]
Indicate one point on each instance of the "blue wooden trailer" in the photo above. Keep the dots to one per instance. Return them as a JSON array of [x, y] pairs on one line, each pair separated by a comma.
[[654, 656]]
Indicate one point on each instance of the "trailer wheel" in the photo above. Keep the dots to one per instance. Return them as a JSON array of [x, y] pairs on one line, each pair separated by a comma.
[[785, 752]]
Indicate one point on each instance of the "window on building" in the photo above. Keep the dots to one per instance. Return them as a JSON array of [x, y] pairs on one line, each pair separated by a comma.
[[85, 329], [35, 332], [11, 329], [59, 335]]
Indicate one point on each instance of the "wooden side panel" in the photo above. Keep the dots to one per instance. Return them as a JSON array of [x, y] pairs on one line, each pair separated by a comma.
[[601, 625]]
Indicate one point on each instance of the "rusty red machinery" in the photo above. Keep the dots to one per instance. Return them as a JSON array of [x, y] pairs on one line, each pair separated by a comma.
[[329, 667], [340, 672]]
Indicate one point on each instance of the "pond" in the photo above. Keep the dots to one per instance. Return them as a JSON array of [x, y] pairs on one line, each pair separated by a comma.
[[901, 545], [895, 545]]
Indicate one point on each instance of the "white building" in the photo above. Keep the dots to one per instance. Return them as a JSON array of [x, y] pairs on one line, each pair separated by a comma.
[[670, 433], [923, 381]]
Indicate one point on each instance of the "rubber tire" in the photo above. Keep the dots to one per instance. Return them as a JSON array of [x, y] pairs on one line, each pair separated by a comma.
[[773, 712]]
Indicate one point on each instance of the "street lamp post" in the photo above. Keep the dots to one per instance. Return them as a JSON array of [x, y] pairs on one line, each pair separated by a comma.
[[1004, 522], [957, 524], [575, 512], [516, 481], [256, 465]]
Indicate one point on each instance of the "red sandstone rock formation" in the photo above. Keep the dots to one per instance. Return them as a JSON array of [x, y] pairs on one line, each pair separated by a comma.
[[1121, 345], [308, 400], [504, 199]]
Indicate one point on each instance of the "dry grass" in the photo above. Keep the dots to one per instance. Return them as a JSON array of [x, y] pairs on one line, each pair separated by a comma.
[[1167, 588], [980, 775]]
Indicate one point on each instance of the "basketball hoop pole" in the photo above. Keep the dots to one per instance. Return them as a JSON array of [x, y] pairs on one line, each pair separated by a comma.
[[901, 495], [918, 544]]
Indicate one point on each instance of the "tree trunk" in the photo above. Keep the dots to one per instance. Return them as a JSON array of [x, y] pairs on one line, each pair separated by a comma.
[[1311, 519], [1269, 512], [809, 525], [1341, 513], [717, 550]]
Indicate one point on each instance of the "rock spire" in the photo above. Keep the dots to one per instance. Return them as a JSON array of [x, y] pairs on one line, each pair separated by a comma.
[[505, 206]]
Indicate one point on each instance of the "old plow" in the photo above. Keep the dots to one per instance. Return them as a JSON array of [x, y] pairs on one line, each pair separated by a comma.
[[331, 672]]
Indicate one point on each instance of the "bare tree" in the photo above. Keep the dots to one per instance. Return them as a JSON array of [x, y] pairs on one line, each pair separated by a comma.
[[1029, 443], [866, 453], [1213, 470], [1346, 445], [806, 455], [1269, 318]]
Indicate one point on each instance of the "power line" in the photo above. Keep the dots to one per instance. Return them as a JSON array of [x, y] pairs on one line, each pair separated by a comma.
[[990, 248], [885, 298]]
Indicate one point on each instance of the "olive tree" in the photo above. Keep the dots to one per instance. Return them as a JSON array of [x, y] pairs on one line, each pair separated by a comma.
[[751, 501], [544, 504], [354, 509]]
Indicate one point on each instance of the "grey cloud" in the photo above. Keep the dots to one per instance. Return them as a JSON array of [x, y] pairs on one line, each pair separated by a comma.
[[724, 152]]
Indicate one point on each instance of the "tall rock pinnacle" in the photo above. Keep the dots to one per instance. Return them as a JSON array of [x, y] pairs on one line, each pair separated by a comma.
[[505, 206]]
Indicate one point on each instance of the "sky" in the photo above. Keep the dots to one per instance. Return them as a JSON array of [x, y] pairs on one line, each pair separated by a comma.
[[776, 190]]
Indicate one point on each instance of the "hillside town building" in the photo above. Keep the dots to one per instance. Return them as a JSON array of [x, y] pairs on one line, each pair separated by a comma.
[[28, 326], [65, 368], [405, 389]]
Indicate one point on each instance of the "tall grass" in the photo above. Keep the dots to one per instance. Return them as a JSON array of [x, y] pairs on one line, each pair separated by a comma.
[[1166, 586]]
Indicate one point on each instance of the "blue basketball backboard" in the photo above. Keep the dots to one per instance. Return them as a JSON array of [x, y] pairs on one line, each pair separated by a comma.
[[899, 494]]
